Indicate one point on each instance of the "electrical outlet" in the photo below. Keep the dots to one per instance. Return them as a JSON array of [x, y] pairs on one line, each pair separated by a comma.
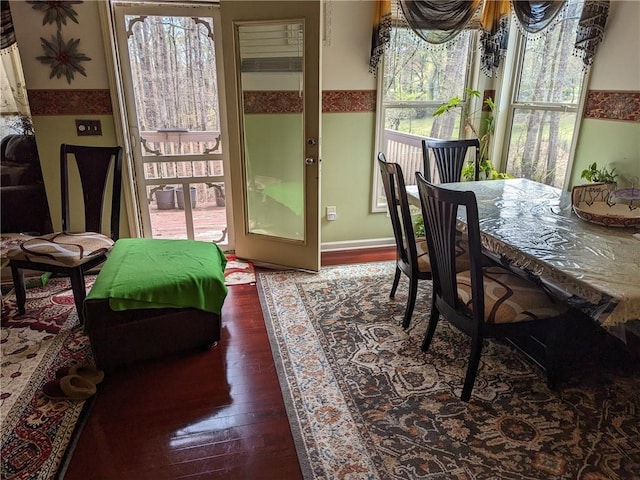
[[88, 127], [332, 213]]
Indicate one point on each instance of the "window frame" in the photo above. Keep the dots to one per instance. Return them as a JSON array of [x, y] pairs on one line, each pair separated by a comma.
[[510, 79], [506, 85], [382, 106]]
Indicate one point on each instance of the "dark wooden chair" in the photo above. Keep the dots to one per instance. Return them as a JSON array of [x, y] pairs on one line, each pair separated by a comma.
[[412, 257], [449, 157], [485, 301], [67, 253]]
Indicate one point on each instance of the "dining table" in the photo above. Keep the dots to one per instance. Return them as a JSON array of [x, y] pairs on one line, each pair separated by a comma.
[[531, 228]]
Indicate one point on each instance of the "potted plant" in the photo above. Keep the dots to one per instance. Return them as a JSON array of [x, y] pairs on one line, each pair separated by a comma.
[[599, 175], [487, 171]]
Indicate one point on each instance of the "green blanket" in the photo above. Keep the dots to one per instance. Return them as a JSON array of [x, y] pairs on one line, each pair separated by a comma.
[[151, 273]]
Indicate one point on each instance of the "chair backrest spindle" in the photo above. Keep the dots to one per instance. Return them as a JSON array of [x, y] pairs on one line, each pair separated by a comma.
[[440, 210], [450, 157], [398, 204], [94, 166]]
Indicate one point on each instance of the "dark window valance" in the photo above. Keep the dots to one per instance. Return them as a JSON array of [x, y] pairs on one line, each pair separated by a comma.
[[7, 35], [534, 16], [439, 21], [436, 21]]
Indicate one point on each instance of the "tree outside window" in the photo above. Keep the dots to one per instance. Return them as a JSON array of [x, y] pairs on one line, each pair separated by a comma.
[[416, 79], [546, 98]]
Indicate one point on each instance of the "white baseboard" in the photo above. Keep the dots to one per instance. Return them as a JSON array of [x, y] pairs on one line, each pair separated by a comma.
[[357, 244]]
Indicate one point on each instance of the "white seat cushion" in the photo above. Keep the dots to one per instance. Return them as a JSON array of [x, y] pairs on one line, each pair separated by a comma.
[[62, 249]]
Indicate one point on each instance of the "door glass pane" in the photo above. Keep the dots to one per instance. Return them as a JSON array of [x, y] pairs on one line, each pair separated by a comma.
[[169, 212], [272, 92], [174, 82]]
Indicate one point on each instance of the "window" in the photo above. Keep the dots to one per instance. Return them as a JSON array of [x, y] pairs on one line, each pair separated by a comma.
[[414, 82], [547, 93], [539, 94]]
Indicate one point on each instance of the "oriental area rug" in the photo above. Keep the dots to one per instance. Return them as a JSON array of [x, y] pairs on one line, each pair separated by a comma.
[[364, 402], [238, 272], [38, 434]]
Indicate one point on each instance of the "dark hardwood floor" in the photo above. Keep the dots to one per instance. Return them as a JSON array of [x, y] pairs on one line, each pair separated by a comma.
[[203, 415]]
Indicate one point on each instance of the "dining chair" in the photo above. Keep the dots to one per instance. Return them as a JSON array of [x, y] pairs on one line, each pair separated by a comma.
[[74, 253], [484, 301], [412, 257], [449, 157]]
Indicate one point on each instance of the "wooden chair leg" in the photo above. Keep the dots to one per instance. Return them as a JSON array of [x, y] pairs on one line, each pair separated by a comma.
[[396, 281], [79, 291], [433, 323], [18, 285], [411, 302], [552, 354], [472, 368]]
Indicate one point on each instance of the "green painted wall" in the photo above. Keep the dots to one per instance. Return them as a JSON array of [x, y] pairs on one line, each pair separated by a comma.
[[347, 172], [607, 142]]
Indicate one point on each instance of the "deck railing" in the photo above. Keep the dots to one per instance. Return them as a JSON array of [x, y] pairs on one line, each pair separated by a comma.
[[178, 142], [405, 149], [175, 155], [402, 148]]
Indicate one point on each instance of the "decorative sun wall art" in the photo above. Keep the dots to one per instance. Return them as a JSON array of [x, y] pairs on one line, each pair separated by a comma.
[[56, 11], [63, 57]]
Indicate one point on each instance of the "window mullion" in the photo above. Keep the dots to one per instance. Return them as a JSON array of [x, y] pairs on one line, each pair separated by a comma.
[[553, 107]]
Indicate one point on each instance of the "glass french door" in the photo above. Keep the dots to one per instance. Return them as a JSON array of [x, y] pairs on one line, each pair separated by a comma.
[[171, 65], [272, 60]]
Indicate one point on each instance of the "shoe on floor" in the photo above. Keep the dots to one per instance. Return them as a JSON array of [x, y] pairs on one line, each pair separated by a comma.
[[71, 387], [88, 372]]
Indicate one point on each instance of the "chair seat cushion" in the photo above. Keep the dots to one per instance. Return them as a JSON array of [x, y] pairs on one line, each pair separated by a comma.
[[63, 249], [462, 256], [423, 256], [509, 298]]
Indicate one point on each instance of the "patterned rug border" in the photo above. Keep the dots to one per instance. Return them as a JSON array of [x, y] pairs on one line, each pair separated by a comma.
[[30, 401], [280, 356], [81, 421], [361, 405]]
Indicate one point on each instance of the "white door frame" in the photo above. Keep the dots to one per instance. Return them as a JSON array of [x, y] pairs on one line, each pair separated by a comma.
[[134, 187]]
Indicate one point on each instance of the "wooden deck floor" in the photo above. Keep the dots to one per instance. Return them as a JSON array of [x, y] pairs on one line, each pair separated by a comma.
[[209, 220]]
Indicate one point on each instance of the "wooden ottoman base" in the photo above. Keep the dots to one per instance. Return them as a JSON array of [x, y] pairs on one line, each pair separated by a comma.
[[124, 337]]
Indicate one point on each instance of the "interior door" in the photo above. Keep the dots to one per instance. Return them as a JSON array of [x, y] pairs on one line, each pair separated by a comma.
[[171, 64], [272, 77]]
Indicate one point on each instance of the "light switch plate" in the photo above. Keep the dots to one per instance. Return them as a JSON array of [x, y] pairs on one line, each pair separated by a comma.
[[88, 127]]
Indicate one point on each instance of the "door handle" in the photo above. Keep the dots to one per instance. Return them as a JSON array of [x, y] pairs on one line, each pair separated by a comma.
[[309, 160]]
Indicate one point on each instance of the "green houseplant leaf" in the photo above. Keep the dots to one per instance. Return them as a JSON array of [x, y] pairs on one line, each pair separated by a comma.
[[599, 175]]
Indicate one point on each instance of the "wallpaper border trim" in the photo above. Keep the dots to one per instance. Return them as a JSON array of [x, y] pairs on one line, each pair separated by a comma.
[[613, 105], [601, 104], [70, 102]]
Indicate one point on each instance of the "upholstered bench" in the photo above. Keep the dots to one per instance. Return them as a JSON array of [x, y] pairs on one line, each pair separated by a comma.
[[154, 298]]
